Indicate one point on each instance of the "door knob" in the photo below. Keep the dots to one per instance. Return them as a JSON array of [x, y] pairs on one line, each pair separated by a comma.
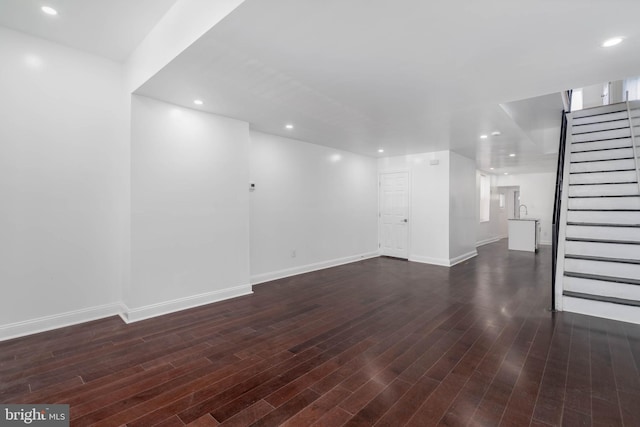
[[405, 220]]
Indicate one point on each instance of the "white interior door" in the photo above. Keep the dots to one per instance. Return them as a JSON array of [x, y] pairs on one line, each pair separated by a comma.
[[394, 214]]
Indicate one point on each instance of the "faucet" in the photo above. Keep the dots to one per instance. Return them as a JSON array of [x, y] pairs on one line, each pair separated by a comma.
[[526, 212]]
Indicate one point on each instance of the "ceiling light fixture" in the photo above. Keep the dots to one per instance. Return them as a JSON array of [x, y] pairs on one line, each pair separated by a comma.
[[483, 137], [491, 168], [506, 173], [495, 133], [380, 150], [612, 42], [289, 126], [198, 102], [512, 155], [49, 10]]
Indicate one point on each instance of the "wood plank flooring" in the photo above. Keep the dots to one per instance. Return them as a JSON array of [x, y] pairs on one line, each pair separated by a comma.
[[380, 342]]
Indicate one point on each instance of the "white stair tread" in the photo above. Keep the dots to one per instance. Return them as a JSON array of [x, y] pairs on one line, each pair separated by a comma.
[[599, 110], [597, 287], [604, 259], [601, 145], [608, 271], [600, 155], [602, 135], [601, 249], [600, 231], [578, 129], [603, 190], [599, 118], [605, 203], [609, 165], [613, 177], [607, 241], [601, 224]]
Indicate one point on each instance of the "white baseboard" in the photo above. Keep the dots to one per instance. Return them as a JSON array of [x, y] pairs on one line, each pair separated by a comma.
[[280, 274], [47, 323], [130, 315], [444, 262], [489, 240], [545, 242], [463, 257]]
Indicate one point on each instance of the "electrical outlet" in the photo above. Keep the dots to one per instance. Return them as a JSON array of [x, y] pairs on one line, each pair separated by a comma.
[[293, 253]]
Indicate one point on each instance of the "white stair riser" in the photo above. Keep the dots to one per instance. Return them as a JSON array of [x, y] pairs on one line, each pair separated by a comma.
[[600, 111], [603, 190], [610, 250], [597, 136], [620, 115], [598, 287], [623, 313], [610, 165], [606, 203], [630, 234], [600, 126], [601, 145], [618, 153], [602, 177], [604, 217], [601, 268]]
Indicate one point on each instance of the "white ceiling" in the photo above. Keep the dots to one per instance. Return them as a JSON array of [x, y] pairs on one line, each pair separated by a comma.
[[111, 28], [408, 76]]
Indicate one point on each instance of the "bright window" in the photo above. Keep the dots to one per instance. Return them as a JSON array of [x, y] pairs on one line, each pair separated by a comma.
[[485, 198], [576, 100], [632, 87]]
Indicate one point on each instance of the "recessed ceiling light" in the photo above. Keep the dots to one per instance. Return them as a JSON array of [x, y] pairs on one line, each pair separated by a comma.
[[495, 133], [483, 137], [49, 10], [198, 102], [612, 42], [512, 155], [491, 168], [289, 126], [380, 150], [506, 173]]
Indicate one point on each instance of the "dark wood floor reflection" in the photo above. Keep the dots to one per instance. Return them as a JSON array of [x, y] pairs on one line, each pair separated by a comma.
[[383, 342]]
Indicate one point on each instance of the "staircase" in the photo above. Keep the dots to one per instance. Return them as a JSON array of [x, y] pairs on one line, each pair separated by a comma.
[[599, 244]]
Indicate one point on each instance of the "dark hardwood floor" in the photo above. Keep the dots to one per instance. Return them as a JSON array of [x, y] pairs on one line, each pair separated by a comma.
[[382, 341]]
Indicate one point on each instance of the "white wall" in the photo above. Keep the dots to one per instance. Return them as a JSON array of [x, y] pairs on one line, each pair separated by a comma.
[[462, 208], [429, 204], [320, 202], [495, 228], [536, 192], [509, 207], [190, 208], [62, 184]]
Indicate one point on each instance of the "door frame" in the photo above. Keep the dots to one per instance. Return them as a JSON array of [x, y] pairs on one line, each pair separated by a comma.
[[409, 222]]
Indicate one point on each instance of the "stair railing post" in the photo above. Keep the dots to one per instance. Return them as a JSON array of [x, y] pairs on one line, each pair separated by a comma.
[[633, 144]]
